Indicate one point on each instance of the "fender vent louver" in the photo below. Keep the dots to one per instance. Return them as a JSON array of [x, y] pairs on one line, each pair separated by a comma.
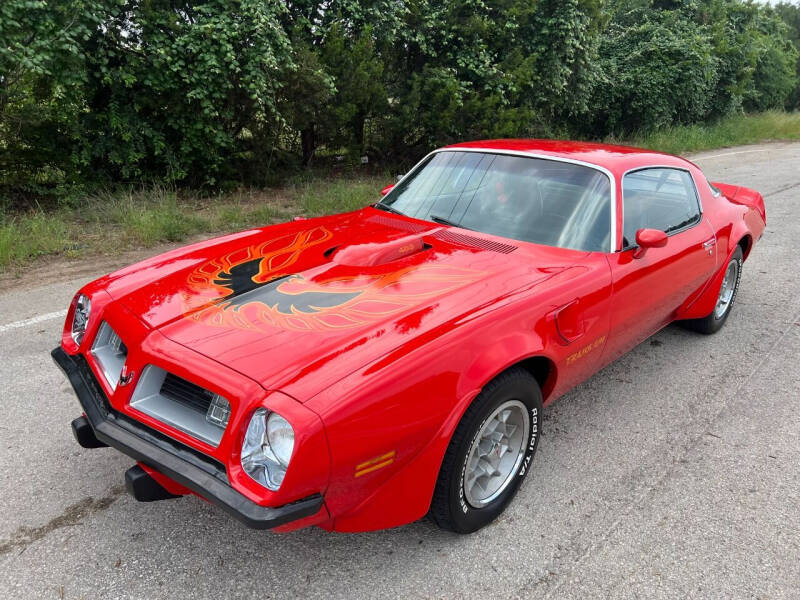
[[475, 242], [398, 224]]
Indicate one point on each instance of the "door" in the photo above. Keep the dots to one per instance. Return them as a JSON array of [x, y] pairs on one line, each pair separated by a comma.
[[649, 289]]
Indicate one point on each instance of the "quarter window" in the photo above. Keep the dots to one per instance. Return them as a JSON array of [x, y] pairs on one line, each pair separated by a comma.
[[658, 198]]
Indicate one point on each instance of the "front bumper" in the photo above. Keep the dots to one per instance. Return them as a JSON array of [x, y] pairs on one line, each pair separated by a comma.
[[203, 475]]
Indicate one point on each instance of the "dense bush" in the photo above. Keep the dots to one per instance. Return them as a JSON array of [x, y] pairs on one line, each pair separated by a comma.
[[790, 13], [176, 89], [658, 70], [212, 91], [42, 74]]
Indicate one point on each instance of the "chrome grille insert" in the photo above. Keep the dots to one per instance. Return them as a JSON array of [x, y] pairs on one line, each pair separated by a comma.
[[186, 393], [110, 353], [181, 404]]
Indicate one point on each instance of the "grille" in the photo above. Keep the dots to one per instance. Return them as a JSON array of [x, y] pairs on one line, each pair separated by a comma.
[[110, 353], [181, 404], [474, 241], [205, 462], [187, 393]]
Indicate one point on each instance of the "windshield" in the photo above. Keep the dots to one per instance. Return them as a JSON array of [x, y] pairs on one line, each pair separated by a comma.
[[528, 199]]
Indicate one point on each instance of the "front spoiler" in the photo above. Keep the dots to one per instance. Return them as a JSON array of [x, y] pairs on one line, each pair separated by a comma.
[[203, 475]]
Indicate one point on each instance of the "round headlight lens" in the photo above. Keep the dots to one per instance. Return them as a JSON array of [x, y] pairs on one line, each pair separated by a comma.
[[267, 448], [80, 318], [281, 438]]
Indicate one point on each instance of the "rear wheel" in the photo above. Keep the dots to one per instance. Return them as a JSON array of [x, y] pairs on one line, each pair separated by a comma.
[[490, 453], [727, 296]]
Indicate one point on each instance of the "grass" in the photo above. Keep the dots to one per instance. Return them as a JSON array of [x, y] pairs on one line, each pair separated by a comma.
[[29, 235], [735, 130], [112, 222], [338, 196]]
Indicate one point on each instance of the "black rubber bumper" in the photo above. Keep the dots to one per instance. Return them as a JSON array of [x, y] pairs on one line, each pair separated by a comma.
[[199, 473]]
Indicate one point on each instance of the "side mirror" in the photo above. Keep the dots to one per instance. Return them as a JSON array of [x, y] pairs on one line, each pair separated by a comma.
[[387, 189], [649, 238]]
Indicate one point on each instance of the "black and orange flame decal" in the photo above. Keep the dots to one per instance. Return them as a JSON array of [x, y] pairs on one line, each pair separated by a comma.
[[254, 288]]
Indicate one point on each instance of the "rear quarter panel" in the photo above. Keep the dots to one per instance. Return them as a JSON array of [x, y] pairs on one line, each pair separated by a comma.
[[737, 215]]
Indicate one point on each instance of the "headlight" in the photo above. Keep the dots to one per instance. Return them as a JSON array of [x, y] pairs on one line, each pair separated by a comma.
[[281, 438], [267, 448], [83, 308]]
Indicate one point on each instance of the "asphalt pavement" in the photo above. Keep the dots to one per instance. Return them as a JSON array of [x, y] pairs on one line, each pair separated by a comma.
[[672, 473]]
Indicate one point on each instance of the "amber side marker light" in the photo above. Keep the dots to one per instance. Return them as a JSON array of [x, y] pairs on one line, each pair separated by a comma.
[[373, 464]]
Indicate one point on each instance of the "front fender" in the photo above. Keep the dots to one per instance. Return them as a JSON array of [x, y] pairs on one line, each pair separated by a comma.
[[390, 422], [389, 437]]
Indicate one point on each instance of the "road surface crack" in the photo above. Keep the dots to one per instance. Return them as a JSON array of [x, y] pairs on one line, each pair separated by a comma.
[[72, 515], [782, 189]]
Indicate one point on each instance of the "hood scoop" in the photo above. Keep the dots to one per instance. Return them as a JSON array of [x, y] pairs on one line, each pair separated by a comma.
[[374, 254]]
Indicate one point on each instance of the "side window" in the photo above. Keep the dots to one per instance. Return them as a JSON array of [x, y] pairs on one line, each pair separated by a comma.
[[658, 198]]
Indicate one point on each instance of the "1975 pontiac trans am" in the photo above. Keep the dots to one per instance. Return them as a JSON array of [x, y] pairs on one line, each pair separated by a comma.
[[359, 371]]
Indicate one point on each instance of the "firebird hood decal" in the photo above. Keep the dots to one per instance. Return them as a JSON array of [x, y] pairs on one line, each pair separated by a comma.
[[270, 294], [260, 291]]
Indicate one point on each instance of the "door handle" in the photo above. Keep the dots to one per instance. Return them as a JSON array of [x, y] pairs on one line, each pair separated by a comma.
[[709, 244]]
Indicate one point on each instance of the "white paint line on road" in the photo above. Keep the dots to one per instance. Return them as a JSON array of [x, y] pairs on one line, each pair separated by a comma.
[[731, 153], [33, 320]]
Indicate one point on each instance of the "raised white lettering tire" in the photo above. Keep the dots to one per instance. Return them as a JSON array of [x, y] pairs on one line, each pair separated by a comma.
[[489, 454]]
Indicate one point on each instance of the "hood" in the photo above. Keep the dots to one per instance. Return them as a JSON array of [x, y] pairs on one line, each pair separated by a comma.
[[300, 305]]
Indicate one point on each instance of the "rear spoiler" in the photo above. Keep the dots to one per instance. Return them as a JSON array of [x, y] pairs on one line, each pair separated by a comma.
[[744, 196]]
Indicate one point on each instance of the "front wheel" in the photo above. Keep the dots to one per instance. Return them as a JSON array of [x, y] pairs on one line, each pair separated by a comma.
[[490, 453], [727, 296]]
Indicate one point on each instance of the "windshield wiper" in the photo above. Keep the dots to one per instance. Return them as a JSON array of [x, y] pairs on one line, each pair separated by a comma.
[[445, 221], [388, 208]]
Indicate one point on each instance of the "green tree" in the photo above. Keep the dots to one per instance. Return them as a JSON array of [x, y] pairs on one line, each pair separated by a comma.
[[658, 69], [340, 82], [42, 77], [356, 69], [468, 69], [790, 13], [176, 87]]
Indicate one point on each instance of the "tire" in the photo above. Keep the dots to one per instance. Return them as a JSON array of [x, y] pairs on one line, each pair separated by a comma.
[[714, 321], [457, 507]]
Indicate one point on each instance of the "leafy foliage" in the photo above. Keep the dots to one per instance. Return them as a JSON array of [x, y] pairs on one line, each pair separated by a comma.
[[790, 13], [208, 92], [175, 88], [658, 71], [42, 73]]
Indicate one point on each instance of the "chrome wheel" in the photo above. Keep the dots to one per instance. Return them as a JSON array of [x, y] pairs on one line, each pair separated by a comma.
[[728, 289], [496, 453]]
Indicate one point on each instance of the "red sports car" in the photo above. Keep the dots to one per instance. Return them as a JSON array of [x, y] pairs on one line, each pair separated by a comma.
[[361, 370]]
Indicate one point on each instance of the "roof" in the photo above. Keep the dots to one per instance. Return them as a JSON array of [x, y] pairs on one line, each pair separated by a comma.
[[616, 159]]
